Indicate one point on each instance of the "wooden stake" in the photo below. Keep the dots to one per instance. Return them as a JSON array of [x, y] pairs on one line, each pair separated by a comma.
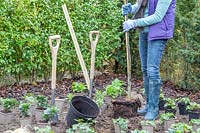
[[128, 57], [78, 52]]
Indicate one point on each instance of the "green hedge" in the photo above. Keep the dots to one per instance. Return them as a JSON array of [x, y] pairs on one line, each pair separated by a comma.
[[181, 62], [25, 26]]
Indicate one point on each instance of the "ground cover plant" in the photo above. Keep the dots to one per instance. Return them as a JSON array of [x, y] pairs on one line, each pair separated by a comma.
[[49, 113], [122, 123], [30, 98], [99, 98], [166, 116], [24, 109], [193, 107], [43, 130], [184, 100], [170, 105], [195, 121], [78, 87], [115, 89], [42, 102], [8, 104], [81, 127], [180, 128], [69, 96]]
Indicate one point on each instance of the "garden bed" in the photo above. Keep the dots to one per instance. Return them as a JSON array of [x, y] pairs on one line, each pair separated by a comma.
[[104, 120]]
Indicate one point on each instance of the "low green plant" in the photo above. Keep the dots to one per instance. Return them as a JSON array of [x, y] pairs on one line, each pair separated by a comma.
[[142, 90], [195, 121], [99, 97], [30, 98], [115, 89], [81, 127], [185, 100], [69, 96], [47, 129], [139, 131], [147, 122], [8, 104], [170, 103], [166, 116], [78, 87], [123, 124], [180, 128], [42, 102], [162, 96], [24, 109], [49, 113], [1, 101], [193, 106]]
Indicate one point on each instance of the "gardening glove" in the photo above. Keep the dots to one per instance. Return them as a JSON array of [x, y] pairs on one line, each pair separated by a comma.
[[129, 24], [126, 9]]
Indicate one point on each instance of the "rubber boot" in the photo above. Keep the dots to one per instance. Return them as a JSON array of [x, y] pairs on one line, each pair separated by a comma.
[[154, 94], [146, 89]]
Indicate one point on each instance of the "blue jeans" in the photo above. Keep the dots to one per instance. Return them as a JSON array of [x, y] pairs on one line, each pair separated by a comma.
[[150, 56]]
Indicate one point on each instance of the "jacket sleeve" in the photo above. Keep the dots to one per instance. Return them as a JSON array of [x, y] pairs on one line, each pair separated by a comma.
[[134, 8], [161, 9]]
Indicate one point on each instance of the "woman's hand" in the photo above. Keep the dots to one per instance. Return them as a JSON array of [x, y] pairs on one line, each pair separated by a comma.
[[129, 24], [126, 9]]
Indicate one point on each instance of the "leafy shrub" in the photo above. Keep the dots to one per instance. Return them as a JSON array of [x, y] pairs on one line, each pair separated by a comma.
[[49, 113], [70, 96], [170, 103], [185, 100], [42, 102], [25, 54], [99, 97], [78, 87], [193, 106], [24, 50], [30, 98], [166, 116], [181, 62], [195, 121], [8, 104], [115, 89], [180, 128], [24, 109]]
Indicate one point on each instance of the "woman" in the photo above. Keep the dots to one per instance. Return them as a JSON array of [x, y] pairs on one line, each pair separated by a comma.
[[156, 21]]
